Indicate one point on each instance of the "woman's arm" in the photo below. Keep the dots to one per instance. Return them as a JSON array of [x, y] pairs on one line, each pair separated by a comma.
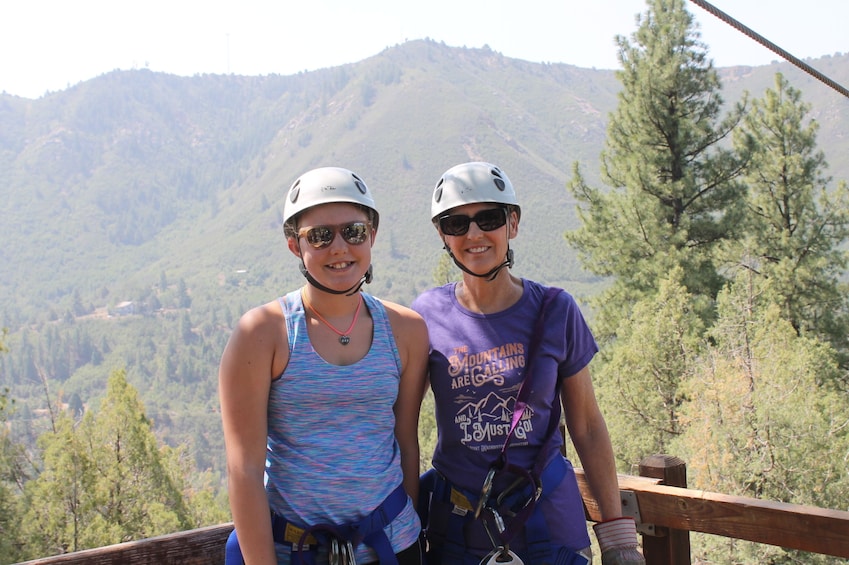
[[588, 431]]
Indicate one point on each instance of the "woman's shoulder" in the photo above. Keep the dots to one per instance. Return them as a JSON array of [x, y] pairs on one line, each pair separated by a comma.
[[557, 297], [433, 298]]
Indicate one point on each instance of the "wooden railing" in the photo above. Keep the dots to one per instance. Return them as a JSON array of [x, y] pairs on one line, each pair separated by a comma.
[[666, 512], [204, 546]]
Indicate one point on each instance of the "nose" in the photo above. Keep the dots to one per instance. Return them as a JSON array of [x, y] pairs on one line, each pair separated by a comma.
[[338, 243], [474, 230]]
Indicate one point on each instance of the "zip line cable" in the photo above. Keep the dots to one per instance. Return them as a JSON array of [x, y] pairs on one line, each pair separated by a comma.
[[771, 46]]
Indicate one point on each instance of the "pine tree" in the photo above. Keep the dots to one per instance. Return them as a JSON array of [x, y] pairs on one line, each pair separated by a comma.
[[639, 384], [106, 480], [760, 405], [55, 519], [139, 490], [10, 476], [795, 224], [674, 193]]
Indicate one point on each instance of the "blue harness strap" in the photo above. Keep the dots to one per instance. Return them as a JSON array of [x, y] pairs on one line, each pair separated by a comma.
[[443, 511], [232, 551], [304, 541]]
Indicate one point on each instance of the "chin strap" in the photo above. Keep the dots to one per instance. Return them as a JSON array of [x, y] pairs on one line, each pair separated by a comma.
[[489, 275], [349, 292]]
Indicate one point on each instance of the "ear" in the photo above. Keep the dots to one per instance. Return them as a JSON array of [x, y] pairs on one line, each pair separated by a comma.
[[513, 220], [373, 236], [292, 244]]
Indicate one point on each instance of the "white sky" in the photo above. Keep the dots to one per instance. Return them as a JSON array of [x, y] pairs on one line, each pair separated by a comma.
[[48, 45]]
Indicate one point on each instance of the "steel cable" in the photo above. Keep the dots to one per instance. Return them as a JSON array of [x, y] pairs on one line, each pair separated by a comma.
[[771, 46]]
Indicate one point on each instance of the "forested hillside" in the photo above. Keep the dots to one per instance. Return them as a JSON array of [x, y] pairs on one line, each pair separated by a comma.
[[140, 212]]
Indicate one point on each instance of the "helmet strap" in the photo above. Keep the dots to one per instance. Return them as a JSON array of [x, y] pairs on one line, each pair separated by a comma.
[[367, 277], [489, 275]]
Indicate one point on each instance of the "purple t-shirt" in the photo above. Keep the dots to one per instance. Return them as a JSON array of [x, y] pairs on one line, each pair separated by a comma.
[[476, 368]]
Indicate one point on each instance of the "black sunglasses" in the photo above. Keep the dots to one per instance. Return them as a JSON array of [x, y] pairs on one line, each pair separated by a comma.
[[487, 220], [355, 233]]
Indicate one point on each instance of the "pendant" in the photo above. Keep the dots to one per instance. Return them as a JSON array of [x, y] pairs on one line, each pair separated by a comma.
[[501, 555], [344, 340]]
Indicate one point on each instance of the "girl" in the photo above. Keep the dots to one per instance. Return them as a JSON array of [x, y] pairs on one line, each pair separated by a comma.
[[320, 392]]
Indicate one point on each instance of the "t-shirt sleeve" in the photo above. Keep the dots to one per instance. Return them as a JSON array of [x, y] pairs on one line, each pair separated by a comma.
[[580, 345]]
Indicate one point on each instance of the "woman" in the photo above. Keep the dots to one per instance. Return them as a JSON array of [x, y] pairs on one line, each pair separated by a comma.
[[500, 489], [320, 392]]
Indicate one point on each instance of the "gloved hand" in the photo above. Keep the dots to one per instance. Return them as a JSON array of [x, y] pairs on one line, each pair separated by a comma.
[[617, 539]]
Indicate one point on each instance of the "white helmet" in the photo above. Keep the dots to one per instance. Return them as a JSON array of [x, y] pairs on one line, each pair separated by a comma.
[[471, 183], [326, 185]]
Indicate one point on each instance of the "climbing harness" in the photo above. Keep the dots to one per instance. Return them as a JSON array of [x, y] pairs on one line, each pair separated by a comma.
[[341, 541]]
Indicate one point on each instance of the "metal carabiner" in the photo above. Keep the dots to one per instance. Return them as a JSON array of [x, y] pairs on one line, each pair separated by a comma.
[[335, 557], [500, 500], [499, 521], [351, 557], [486, 491], [532, 498], [499, 525]]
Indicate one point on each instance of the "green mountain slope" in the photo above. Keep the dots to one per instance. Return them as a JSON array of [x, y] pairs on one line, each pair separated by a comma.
[[111, 182], [166, 192]]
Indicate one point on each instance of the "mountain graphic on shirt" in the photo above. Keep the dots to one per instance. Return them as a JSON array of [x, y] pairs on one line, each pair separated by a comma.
[[492, 408]]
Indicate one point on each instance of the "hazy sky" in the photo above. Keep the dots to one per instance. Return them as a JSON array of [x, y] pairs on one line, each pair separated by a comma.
[[48, 45]]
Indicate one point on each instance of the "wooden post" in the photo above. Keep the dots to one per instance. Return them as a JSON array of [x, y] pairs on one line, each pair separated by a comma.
[[667, 546]]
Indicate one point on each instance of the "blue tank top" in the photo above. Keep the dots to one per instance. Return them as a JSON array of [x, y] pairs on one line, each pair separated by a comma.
[[332, 456]]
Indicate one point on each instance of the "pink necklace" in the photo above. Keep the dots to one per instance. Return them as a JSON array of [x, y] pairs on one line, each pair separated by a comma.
[[344, 337]]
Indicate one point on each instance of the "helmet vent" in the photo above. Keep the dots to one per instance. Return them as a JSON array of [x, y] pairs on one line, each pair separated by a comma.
[[294, 192], [361, 186], [499, 182], [437, 194]]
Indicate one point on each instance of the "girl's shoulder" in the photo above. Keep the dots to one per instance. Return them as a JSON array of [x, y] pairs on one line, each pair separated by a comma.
[[401, 318]]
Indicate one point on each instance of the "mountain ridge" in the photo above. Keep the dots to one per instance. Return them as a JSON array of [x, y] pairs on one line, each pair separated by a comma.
[[120, 173]]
